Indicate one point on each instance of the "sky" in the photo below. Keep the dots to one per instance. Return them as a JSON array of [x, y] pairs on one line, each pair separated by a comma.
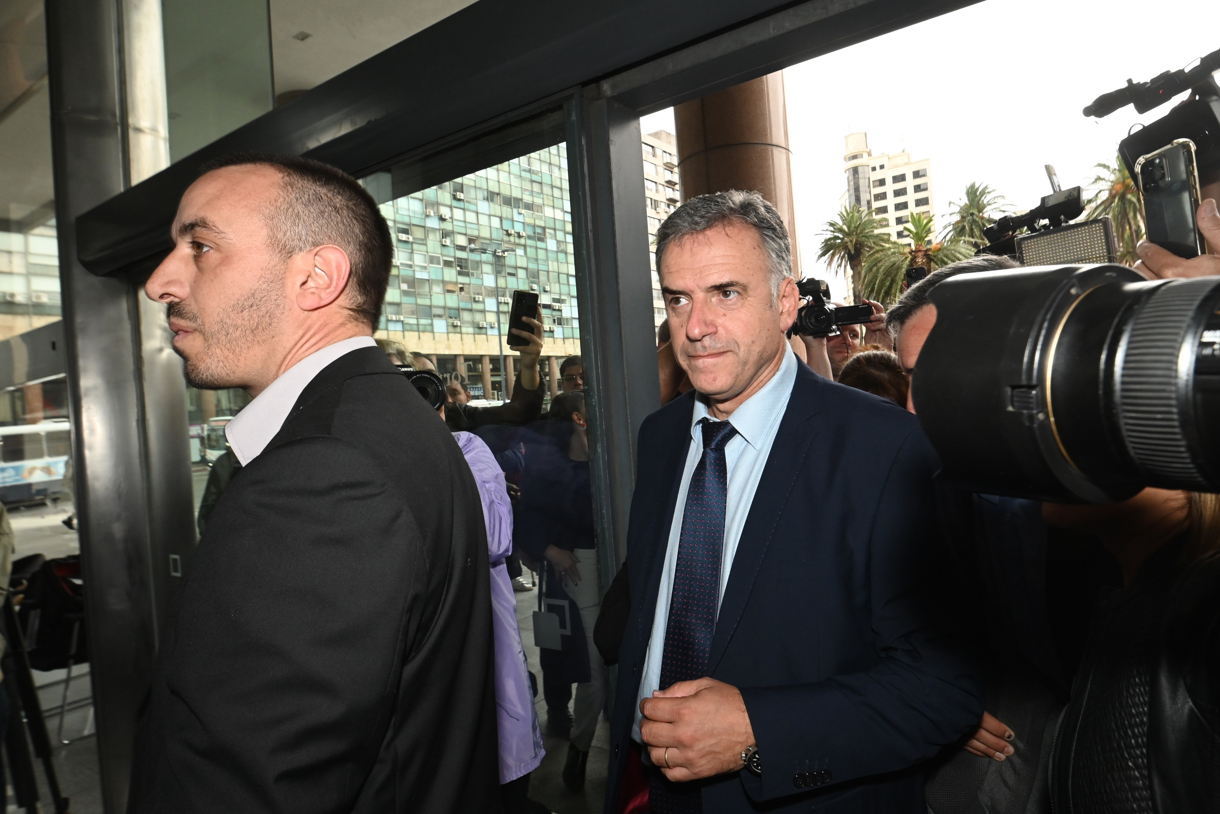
[[990, 94]]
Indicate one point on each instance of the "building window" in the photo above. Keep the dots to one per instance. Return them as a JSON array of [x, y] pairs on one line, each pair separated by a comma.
[[650, 185], [650, 168], [921, 201], [919, 174], [855, 156], [900, 206], [901, 235], [880, 166], [874, 169], [881, 210], [898, 193], [880, 196], [879, 182], [900, 177], [653, 223], [884, 221], [921, 187], [901, 219], [653, 203], [649, 149], [667, 156]]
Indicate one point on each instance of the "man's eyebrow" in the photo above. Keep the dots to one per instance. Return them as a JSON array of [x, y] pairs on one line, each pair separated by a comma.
[[199, 225], [714, 287]]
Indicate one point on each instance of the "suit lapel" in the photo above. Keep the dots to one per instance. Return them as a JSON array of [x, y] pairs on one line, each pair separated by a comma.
[[792, 442]]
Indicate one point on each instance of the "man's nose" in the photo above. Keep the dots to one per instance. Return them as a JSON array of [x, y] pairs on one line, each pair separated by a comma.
[[168, 282], [701, 321]]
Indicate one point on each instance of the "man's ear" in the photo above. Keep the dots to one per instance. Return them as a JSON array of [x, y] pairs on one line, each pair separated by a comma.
[[321, 277], [789, 302]]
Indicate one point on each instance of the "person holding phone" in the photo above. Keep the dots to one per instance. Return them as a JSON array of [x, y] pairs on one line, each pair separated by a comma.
[[1159, 263], [525, 405]]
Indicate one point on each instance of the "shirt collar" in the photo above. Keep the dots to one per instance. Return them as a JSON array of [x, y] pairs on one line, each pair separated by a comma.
[[754, 418], [254, 427]]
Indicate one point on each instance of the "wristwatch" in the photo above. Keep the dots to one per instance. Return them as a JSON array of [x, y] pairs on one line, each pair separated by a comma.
[[751, 760]]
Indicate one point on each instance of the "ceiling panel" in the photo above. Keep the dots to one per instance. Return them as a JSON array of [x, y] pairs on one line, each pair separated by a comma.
[[314, 40]]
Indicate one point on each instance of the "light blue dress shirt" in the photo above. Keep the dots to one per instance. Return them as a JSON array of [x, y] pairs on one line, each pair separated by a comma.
[[746, 454]]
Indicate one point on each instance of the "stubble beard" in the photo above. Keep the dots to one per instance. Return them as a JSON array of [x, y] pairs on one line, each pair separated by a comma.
[[243, 325]]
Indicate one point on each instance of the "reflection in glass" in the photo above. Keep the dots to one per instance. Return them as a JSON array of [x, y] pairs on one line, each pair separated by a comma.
[[463, 248]]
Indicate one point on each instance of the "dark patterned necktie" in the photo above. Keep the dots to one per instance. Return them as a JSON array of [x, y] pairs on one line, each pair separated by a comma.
[[696, 594]]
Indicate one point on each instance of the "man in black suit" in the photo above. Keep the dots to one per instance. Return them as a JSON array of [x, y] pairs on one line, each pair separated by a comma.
[[331, 648], [787, 646]]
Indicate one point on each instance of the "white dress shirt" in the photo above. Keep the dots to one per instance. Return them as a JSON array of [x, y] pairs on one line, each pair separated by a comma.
[[254, 427], [746, 454]]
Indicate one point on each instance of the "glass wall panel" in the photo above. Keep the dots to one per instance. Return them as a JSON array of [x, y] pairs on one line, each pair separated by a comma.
[[217, 69], [464, 247]]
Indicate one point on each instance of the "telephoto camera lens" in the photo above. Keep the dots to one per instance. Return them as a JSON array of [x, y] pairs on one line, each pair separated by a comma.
[[427, 384], [1073, 383]]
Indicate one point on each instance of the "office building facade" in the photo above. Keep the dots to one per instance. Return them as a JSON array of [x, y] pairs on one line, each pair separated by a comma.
[[892, 185], [662, 195]]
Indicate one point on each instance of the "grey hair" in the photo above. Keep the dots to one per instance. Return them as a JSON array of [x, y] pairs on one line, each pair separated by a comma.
[[916, 297], [718, 209]]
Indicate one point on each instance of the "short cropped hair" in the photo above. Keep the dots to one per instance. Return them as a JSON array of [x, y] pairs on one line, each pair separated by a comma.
[[571, 361], [319, 205], [878, 372], [916, 297], [721, 208]]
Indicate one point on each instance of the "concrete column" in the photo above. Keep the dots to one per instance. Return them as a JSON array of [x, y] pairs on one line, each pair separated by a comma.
[[552, 368], [510, 376], [485, 361], [738, 139], [459, 364], [207, 404]]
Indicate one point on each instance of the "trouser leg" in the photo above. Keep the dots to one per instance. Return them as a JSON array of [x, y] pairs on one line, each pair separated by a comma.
[[590, 696]]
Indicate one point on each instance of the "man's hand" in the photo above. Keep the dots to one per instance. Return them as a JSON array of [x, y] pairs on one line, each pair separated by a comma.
[[703, 724], [992, 739], [1157, 263], [874, 330], [530, 352], [564, 562]]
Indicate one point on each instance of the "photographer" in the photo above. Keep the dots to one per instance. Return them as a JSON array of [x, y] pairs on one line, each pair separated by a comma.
[[1037, 582], [1142, 712]]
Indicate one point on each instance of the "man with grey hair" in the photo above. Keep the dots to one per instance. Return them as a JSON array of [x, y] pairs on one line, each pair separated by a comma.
[[787, 644], [912, 319]]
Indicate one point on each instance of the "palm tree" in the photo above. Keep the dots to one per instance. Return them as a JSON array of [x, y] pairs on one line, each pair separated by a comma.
[[1118, 197], [849, 240], [885, 269], [974, 214]]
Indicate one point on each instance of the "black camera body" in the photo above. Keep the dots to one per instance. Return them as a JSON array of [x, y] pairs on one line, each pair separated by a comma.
[[818, 318]]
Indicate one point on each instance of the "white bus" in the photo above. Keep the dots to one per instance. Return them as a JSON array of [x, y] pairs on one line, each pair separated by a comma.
[[32, 460]]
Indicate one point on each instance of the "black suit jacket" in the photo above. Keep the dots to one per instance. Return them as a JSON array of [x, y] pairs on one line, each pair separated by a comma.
[[833, 621], [332, 647]]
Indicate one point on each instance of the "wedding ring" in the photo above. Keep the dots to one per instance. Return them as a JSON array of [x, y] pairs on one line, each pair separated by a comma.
[[665, 756]]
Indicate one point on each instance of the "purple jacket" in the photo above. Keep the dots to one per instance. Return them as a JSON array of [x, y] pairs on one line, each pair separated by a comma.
[[517, 721]]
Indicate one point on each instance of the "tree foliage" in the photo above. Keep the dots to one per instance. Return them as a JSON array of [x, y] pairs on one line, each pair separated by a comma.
[[848, 241], [885, 269], [974, 214], [1118, 197]]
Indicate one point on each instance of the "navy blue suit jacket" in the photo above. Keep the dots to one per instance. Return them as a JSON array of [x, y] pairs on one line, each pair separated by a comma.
[[834, 624]]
